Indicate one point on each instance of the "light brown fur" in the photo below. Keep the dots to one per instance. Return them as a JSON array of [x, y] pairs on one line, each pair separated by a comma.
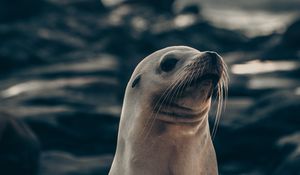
[[158, 138]]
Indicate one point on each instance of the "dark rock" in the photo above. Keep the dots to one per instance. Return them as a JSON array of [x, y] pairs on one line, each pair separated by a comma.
[[60, 163], [163, 6], [77, 108], [265, 42], [12, 10], [268, 105], [19, 148], [203, 36], [264, 124], [94, 6], [288, 47], [291, 37], [238, 86], [38, 46], [289, 164], [191, 9], [80, 133]]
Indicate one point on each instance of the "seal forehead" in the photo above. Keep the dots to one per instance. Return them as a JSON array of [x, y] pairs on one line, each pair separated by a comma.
[[177, 50], [155, 56], [181, 48]]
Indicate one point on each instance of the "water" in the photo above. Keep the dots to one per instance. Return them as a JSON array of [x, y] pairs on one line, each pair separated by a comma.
[[258, 67], [253, 18]]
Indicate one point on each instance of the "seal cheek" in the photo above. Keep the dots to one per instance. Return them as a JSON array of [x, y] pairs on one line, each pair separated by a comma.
[[136, 81]]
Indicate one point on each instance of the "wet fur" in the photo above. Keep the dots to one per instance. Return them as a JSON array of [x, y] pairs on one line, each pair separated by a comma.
[[148, 146]]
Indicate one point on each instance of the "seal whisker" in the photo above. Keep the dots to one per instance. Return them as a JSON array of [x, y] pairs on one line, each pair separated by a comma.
[[181, 85], [159, 104], [222, 94], [186, 81], [219, 108], [174, 92], [180, 88], [165, 97]]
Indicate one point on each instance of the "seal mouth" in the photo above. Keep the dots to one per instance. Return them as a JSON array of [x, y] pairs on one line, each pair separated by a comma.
[[175, 113], [200, 85], [187, 106], [172, 117], [209, 77]]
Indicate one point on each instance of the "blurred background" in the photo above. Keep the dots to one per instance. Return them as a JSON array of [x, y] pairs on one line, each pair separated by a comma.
[[64, 65]]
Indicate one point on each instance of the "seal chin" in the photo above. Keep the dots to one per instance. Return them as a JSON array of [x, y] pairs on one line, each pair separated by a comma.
[[179, 118], [179, 111], [198, 92], [192, 104]]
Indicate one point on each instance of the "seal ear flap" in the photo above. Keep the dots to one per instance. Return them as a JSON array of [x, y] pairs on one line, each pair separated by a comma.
[[136, 81]]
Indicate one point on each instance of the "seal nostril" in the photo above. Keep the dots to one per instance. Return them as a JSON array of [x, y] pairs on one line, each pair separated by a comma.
[[214, 60], [168, 64], [212, 56]]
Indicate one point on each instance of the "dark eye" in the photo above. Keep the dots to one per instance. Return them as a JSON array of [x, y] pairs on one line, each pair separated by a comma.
[[168, 64], [136, 81]]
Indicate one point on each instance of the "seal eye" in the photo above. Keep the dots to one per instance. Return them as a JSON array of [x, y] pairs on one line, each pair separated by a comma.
[[136, 81], [168, 64]]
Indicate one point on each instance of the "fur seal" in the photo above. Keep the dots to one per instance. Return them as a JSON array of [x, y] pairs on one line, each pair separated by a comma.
[[164, 127]]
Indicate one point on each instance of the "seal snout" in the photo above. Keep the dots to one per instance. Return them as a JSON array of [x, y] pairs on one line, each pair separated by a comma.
[[208, 66], [212, 61], [212, 57]]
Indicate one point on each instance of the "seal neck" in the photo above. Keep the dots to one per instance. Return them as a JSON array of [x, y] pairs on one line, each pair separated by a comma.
[[166, 150]]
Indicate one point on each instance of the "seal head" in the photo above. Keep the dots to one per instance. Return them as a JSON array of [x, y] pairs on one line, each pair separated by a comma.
[[179, 82], [164, 122]]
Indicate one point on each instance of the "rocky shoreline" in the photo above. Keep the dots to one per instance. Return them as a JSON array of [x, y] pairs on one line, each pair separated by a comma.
[[65, 64]]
